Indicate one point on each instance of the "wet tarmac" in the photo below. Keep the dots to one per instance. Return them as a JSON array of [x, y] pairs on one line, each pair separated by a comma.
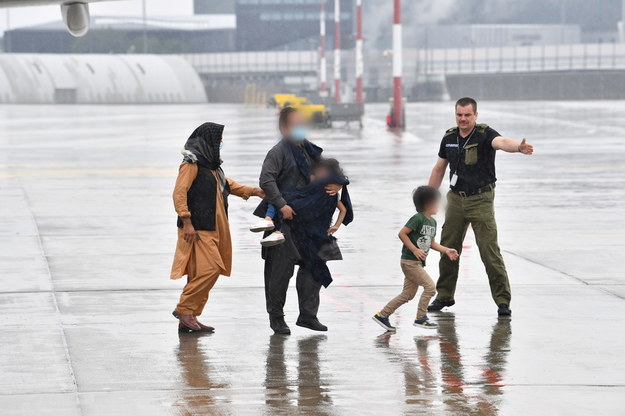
[[88, 231]]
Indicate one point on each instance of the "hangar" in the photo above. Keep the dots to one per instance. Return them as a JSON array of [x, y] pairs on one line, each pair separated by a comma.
[[98, 79]]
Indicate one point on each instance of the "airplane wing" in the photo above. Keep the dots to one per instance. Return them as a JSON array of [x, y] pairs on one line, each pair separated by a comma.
[[75, 12]]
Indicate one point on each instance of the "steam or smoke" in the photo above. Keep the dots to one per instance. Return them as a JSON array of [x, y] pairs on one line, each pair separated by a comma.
[[590, 15], [419, 13], [415, 14], [429, 11]]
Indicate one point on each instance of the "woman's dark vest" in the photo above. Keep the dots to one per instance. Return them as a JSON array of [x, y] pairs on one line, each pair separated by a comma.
[[202, 200]]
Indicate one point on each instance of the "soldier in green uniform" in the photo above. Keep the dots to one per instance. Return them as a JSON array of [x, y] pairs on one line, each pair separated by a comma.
[[469, 151]]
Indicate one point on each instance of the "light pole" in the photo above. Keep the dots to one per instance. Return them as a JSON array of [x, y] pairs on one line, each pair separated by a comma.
[[145, 28], [620, 25], [7, 35], [322, 41], [359, 54], [562, 19], [337, 51], [397, 67]]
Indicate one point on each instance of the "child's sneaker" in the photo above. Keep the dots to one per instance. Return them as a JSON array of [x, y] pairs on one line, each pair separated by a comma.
[[273, 239], [262, 225], [423, 323], [383, 322]]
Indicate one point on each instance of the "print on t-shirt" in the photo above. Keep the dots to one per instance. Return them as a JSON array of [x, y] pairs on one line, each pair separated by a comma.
[[425, 240], [422, 235]]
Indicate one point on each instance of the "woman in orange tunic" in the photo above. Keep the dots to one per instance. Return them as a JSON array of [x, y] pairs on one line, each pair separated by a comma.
[[204, 248]]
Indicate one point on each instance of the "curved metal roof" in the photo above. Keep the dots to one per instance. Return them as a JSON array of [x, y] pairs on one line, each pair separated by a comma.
[[98, 79]]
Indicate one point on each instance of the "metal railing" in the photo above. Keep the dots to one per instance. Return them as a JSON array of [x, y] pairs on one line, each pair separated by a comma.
[[585, 56], [237, 63], [419, 62]]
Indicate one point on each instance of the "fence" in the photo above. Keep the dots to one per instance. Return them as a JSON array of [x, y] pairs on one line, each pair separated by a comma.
[[280, 68], [595, 56], [237, 63]]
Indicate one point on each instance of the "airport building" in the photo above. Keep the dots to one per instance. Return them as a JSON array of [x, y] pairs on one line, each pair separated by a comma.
[[281, 24], [494, 35], [214, 7], [216, 26], [124, 34]]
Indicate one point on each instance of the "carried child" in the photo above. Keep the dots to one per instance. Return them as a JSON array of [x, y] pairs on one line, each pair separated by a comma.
[[311, 228], [320, 172], [418, 237]]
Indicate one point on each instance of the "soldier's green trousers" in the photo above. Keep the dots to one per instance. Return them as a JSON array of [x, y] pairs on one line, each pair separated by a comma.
[[477, 210]]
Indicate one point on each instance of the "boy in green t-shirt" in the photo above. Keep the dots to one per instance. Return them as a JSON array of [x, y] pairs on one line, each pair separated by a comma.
[[418, 237]]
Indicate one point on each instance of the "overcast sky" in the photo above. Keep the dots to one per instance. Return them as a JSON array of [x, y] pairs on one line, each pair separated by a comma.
[[26, 16]]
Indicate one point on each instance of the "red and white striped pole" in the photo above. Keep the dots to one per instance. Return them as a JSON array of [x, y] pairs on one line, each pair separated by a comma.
[[337, 51], [322, 33], [359, 57], [397, 67]]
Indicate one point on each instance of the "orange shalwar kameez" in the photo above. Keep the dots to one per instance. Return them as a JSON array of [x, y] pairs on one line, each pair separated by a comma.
[[203, 260]]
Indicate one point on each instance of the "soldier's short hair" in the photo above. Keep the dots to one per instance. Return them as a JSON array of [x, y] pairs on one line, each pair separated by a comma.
[[423, 196], [465, 101]]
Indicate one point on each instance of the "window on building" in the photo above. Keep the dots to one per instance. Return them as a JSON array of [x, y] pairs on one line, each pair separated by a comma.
[[274, 16]]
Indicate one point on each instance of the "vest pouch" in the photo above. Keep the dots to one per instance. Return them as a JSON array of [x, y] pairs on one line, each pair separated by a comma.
[[470, 154]]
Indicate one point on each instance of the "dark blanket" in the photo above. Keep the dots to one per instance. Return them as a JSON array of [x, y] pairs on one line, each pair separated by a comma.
[[314, 209]]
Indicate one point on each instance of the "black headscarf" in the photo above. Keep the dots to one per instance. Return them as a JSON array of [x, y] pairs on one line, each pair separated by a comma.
[[202, 147]]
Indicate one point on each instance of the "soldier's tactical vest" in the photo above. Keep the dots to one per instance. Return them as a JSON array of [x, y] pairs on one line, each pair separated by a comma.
[[479, 129], [202, 200]]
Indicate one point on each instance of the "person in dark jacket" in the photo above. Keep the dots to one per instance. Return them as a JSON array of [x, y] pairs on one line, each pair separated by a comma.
[[317, 206], [287, 168], [312, 227]]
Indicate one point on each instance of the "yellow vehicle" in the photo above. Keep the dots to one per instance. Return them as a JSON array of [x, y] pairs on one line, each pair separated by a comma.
[[284, 100], [315, 114]]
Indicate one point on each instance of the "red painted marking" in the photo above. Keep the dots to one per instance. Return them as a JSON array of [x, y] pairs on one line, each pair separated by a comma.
[[397, 12], [450, 350], [492, 377], [452, 382], [361, 296], [338, 305]]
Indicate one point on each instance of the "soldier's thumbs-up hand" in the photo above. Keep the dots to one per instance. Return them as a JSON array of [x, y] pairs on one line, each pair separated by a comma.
[[526, 148]]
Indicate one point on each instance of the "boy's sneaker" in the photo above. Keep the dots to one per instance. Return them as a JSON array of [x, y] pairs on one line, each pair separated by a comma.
[[263, 225], [504, 310], [273, 239], [438, 304], [424, 323], [383, 322]]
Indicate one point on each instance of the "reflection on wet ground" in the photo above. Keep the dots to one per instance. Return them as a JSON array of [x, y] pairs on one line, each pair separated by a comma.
[[439, 382], [199, 377], [87, 237], [309, 393], [437, 376]]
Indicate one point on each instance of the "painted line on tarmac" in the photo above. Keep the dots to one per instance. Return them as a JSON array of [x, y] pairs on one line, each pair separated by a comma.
[[83, 173], [59, 316], [360, 295], [338, 305], [579, 279], [374, 122]]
